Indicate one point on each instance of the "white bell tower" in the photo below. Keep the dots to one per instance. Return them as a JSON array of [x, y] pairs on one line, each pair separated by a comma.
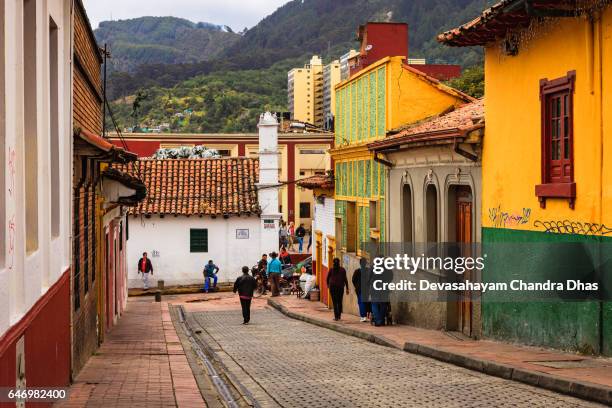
[[268, 187]]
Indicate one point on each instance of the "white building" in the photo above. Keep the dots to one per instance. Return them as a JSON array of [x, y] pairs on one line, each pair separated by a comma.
[[35, 191], [200, 209]]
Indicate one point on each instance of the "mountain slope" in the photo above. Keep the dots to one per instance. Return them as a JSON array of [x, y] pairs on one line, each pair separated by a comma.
[[162, 40], [315, 26]]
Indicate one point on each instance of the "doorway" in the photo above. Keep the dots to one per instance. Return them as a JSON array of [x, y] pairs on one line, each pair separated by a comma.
[[460, 225]]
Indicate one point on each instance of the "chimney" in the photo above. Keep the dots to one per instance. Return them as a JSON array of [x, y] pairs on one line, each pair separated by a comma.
[[380, 40], [267, 187]]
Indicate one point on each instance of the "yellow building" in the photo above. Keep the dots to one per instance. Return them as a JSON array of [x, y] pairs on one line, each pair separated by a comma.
[[309, 91], [381, 97], [547, 166]]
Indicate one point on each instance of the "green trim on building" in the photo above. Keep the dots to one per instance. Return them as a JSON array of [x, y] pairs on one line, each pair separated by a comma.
[[584, 326]]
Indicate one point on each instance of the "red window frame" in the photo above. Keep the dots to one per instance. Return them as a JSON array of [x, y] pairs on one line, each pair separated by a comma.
[[557, 139]]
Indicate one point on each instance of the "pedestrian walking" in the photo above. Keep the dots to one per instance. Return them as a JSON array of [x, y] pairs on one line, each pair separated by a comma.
[[245, 286], [145, 267], [300, 233], [262, 267], [210, 272], [356, 279], [274, 271], [291, 234], [283, 236], [336, 282]]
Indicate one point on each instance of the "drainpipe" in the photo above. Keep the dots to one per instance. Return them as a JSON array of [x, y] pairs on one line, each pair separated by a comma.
[[597, 31]]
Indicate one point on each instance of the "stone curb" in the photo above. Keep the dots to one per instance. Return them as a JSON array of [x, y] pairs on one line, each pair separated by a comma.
[[584, 390]]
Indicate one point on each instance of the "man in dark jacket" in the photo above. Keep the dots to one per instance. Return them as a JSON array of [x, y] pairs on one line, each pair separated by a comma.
[[245, 286], [357, 279], [300, 233], [145, 267]]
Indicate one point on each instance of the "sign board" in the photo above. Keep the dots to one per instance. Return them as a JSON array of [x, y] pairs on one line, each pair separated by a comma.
[[242, 234], [268, 224]]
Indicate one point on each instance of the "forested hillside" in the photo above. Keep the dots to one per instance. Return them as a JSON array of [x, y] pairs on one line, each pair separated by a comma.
[[248, 75], [162, 40]]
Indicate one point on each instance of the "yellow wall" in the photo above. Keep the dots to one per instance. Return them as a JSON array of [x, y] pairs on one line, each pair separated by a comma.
[[307, 94], [512, 146]]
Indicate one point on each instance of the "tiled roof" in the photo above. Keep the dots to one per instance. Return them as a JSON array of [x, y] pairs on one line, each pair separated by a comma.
[[213, 187], [505, 15], [323, 181], [114, 153], [438, 128]]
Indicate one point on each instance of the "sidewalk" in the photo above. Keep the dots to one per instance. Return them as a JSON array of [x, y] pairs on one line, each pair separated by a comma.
[[141, 364], [580, 376]]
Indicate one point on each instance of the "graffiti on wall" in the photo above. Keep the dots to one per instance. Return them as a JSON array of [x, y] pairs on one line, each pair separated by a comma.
[[12, 228], [12, 166], [504, 219], [573, 227]]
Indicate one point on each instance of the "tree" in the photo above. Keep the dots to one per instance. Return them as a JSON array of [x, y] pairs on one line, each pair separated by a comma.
[[471, 81]]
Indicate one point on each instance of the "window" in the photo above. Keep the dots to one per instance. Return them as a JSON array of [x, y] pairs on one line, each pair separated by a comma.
[[351, 227], [304, 210], [54, 130], [431, 208], [312, 151], [557, 165], [198, 240], [373, 214], [30, 125], [224, 152]]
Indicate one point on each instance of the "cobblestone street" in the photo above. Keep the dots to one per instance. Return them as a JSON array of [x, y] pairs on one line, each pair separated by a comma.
[[285, 362]]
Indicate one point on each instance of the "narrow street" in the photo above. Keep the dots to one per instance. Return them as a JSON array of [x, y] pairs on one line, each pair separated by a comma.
[[290, 363]]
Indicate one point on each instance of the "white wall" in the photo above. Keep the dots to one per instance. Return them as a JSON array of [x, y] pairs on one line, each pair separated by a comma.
[[169, 236], [24, 278], [324, 221]]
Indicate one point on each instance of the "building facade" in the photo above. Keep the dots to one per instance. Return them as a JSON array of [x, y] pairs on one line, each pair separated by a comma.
[[35, 181], [547, 163], [331, 77], [100, 199], [323, 228], [301, 155], [310, 91], [223, 209], [434, 195], [381, 96]]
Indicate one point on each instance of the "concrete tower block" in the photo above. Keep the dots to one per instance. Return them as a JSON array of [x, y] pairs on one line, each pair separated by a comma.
[[267, 187]]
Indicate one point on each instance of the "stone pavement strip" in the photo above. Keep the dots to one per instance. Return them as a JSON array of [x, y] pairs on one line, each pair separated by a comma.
[[290, 363], [141, 364], [572, 374]]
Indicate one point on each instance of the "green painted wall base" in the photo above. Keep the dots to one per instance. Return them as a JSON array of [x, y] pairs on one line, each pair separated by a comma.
[[583, 326]]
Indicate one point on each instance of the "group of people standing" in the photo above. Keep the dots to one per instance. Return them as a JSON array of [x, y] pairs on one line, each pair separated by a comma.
[[377, 311], [289, 235]]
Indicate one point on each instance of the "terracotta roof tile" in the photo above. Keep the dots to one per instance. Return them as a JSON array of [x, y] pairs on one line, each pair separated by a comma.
[[323, 181], [496, 21], [441, 127], [214, 187]]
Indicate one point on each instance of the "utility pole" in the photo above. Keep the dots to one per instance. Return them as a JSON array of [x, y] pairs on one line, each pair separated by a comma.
[[106, 55]]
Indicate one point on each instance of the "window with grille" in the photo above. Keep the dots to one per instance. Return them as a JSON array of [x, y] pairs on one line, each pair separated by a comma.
[[557, 166], [198, 240]]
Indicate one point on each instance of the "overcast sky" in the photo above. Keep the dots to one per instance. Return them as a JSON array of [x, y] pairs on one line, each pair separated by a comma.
[[237, 14]]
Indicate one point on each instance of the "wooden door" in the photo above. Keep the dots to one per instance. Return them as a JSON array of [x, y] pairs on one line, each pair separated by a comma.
[[464, 235]]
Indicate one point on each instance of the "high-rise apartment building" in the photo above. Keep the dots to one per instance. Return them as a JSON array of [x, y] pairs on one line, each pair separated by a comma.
[[331, 76], [310, 91]]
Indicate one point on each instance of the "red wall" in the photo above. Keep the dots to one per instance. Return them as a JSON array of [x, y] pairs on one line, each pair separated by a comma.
[[46, 330], [442, 72], [383, 40]]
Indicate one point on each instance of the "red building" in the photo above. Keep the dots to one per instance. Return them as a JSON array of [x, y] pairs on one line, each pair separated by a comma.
[[380, 40]]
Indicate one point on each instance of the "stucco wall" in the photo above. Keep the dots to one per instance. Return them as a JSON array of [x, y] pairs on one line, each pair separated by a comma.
[[324, 221], [169, 236], [418, 168]]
